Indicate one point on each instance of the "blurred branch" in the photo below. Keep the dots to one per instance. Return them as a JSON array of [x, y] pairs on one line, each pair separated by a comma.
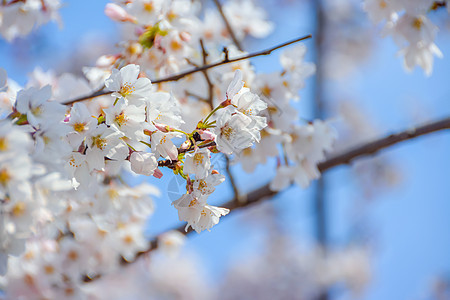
[[202, 68], [237, 197], [210, 98], [227, 24]]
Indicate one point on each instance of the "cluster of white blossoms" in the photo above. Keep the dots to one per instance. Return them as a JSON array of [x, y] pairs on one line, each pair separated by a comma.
[[53, 235], [19, 17], [411, 29], [65, 213]]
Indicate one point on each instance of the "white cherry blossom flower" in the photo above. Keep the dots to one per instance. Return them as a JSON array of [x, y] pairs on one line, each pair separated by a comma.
[[77, 168], [207, 186], [198, 163], [162, 144], [380, 10], [104, 142], [128, 119], [311, 141], [163, 109], [82, 122], [189, 208], [197, 213], [126, 84], [292, 60], [34, 103], [420, 55], [251, 105], [209, 216], [143, 163], [131, 241], [232, 132]]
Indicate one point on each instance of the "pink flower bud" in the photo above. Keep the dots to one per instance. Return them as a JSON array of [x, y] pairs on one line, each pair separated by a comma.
[[185, 36], [158, 174], [207, 135], [117, 13], [162, 128], [185, 145]]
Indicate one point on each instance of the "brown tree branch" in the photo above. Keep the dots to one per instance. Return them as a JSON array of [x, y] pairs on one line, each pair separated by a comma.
[[200, 69], [344, 158]]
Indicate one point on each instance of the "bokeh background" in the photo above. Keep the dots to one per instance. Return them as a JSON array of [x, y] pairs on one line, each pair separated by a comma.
[[395, 205]]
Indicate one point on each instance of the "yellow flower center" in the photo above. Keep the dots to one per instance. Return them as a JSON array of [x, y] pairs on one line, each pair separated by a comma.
[[46, 140], [175, 45], [49, 269], [193, 202], [127, 89], [72, 255], [121, 119], [198, 158], [171, 15], [5, 177], [98, 142], [417, 23], [113, 194], [226, 131], [266, 90], [36, 111], [248, 112], [202, 185], [128, 239], [19, 209], [383, 4], [148, 7], [78, 127], [3, 144]]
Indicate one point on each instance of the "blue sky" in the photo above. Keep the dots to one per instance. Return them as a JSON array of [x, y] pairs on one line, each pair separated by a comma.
[[408, 223]]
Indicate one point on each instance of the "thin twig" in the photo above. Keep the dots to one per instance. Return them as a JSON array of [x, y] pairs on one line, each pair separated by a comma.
[[227, 24], [202, 68], [82, 98]]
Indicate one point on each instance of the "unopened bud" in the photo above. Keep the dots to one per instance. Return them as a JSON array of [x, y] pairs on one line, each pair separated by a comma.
[[158, 174], [225, 103], [185, 145], [162, 128], [207, 135], [117, 13]]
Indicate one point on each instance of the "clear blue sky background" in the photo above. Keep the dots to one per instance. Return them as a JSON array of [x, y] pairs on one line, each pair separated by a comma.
[[410, 222]]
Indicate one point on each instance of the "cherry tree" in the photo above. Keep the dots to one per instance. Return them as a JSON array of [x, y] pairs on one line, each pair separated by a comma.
[[178, 92]]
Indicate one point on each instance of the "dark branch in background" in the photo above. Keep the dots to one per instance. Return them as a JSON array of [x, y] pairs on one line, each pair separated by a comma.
[[202, 68], [232, 181], [346, 157], [233, 184], [227, 24], [318, 103], [210, 98]]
